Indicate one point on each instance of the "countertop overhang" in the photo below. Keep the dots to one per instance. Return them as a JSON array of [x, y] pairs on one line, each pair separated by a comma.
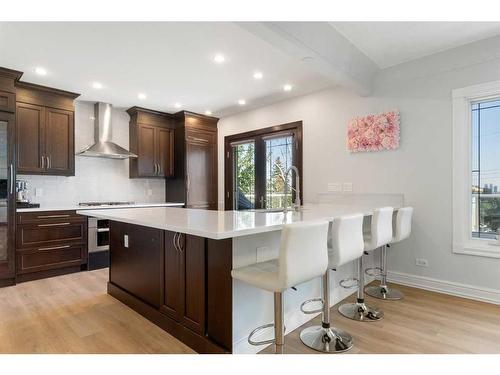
[[219, 225]]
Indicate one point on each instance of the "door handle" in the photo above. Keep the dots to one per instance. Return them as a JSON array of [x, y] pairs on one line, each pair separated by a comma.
[[53, 248], [42, 162], [53, 225], [51, 216], [174, 241], [11, 179], [48, 162], [159, 169], [179, 246]]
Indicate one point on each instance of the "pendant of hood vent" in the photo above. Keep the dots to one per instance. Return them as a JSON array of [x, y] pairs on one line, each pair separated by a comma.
[[103, 146]]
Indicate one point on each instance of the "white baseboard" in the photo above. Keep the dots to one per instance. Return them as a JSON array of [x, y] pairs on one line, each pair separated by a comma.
[[446, 287]]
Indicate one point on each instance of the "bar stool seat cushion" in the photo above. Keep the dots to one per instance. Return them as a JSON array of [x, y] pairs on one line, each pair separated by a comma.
[[262, 275]]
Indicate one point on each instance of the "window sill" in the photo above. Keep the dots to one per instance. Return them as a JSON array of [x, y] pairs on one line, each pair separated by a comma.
[[480, 248]]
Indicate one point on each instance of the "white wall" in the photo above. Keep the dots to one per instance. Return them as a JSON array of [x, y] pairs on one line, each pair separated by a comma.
[[96, 179], [421, 168]]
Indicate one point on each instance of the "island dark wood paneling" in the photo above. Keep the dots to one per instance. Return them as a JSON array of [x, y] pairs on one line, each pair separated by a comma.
[[172, 289], [220, 292], [137, 267]]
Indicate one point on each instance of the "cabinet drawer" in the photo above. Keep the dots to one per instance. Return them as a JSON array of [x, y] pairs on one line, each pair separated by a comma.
[[50, 257], [48, 216], [50, 233]]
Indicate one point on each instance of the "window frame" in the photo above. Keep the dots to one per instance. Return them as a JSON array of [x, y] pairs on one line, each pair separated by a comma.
[[463, 242]]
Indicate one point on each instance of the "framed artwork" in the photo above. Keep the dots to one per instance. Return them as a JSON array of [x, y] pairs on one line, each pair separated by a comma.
[[373, 132]]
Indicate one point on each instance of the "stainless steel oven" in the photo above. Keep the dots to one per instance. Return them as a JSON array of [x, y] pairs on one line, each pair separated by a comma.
[[98, 235]]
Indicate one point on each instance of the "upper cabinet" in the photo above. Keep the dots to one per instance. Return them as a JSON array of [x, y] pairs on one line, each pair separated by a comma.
[[151, 136], [195, 181], [45, 129]]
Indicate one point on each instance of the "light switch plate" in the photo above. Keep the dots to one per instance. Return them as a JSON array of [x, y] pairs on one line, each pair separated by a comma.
[[125, 240], [421, 262], [38, 192], [334, 187], [150, 192], [348, 186]]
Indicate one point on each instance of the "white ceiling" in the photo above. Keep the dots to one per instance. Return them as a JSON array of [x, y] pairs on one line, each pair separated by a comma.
[[170, 62], [392, 43]]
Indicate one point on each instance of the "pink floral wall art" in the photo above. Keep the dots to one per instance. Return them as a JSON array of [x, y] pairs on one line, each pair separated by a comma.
[[373, 132]]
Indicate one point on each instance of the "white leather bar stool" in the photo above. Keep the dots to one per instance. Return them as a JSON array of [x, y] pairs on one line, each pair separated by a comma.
[[303, 256], [346, 240], [380, 234], [401, 226]]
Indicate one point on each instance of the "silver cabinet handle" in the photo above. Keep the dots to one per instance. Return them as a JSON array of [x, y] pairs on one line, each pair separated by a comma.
[[51, 216], [102, 230], [53, 248], [11, 179], [53, 225], [179, 245], [48, 162], [159, 169], [187, 182], [42, 162], [174, 241]]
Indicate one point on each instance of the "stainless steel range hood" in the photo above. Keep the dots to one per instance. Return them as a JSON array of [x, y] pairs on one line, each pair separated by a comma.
[[103, 146]]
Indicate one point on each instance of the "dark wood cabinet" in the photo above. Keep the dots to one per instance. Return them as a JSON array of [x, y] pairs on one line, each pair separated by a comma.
[[151, 139], [135, 254], [195, 161], [50, 243], [183, 292], [45, 130]]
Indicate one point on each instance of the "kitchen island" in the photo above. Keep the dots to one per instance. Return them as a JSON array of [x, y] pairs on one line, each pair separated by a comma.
[[173, 266]]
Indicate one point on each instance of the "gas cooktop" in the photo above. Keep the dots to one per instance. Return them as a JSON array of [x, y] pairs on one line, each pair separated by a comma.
[[87, 204]]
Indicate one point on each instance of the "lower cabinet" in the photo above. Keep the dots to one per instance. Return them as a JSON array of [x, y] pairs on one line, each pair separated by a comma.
[[180, 282], [183, 292]]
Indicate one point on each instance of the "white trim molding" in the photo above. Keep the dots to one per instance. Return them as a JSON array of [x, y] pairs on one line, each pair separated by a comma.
[[463, 243], [446, 287]]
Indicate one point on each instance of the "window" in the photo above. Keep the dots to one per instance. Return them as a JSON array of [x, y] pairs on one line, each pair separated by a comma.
[[485, 203], [476, 170], [256, 167]]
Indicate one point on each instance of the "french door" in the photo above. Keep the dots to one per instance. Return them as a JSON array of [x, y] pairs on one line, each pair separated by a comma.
[[256, 167]]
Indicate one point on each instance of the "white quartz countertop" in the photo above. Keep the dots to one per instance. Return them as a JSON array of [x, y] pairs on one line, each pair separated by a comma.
[[224, 224], [79, 208]]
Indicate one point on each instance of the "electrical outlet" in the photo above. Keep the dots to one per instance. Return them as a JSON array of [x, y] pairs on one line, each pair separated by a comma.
[[334, 187], [421, 262], [125, 240], [348, 186], [261, 254], [38, 192]]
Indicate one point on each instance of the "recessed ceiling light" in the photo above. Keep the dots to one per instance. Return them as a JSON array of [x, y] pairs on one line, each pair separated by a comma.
[[242, 102], [177, 105], [219, 59], [40, 71], [97, 85], [208, 113], [287, 87], [141, 96], [257, 75]]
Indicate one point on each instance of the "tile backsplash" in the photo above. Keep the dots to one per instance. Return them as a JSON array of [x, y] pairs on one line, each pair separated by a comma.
[[96, 179]]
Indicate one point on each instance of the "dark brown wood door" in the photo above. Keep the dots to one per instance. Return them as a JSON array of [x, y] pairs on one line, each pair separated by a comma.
[[164, 151], [146, 151], [194, 259], [30, 124], [173, 265], [201, 179], [59, 141], [135, 254]]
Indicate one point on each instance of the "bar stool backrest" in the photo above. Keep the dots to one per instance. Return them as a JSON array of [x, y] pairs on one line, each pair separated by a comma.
[[346, 239], [303, 252], [401, 224], [381, 227]]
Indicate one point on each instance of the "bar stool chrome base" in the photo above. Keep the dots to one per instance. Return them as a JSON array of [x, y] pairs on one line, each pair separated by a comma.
[[361, 312], [387, 293], [326, 340]]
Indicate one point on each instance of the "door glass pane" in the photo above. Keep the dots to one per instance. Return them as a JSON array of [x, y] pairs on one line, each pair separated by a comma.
[[244, 176], [278, 160], [3, 190]]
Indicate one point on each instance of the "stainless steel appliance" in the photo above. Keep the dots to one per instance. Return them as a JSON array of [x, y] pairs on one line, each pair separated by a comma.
[[98, 236]]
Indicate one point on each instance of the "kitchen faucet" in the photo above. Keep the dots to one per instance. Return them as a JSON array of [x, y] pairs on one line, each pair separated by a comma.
[[297, 203]]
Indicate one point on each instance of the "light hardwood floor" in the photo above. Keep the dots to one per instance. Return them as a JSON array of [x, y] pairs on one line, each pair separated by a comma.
[[424, 322], [73, 314]]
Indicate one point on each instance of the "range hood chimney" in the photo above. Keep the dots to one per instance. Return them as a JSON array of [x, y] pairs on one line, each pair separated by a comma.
[[103, 146]]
